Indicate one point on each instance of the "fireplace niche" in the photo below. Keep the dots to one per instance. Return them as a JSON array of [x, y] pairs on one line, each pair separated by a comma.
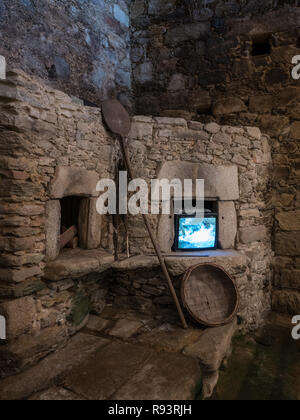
[[72, 208], [70, 222], [221, 191]]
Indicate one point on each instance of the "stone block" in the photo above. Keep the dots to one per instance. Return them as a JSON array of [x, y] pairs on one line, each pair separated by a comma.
[[239, 160], [213, 347], [295, 130], [20, 315], [143, 73], [253, 234], [47, 371], [228, 106], [26, 288], [56, 394], [121, 16], [289, 221], [254, 132], [89, 224], [212, 128], [177, 82], [140, 130], [220, 181], [287, 243], [76, 263], [74, 182], [28, 349], [125, 328], [175, 122], [107, 370], [286, 302], [273, 125], [157, 379], [157, 7], [290, 279], [2, 68], [97, 324], [227, 224], [165, 233], [187, 32], [210, 381], [261, 103], [52, 226], [222, 138], [19, 275]]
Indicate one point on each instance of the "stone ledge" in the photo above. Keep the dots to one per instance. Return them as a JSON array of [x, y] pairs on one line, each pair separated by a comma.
[[178, 263], [76, 263]]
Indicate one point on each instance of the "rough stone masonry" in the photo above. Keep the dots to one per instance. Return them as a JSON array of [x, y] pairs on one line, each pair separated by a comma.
[[218, 73], [231, 63], [81, 47]]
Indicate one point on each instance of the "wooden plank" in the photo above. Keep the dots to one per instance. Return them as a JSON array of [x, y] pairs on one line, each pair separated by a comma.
[[67, 236], [73, 244]]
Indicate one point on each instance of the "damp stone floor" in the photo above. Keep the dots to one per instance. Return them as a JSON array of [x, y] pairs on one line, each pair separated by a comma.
[[118, 356], [263, 367], [122, 355]]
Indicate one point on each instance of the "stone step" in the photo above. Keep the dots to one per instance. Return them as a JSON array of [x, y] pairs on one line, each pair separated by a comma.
[[123, 371], [76, 263]]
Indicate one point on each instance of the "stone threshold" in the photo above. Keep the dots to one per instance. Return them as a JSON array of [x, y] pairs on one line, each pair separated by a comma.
[[178, 263], [76, 263]]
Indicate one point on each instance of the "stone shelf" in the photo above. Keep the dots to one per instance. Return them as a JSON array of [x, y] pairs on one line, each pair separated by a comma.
[[76, 263], [178, 263]]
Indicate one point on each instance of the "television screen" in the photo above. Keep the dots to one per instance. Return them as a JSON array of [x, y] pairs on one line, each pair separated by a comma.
[[197, 233]]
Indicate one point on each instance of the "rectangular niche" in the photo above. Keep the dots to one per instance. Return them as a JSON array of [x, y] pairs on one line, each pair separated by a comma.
[[226, 230], [73, 205], [69, 212]]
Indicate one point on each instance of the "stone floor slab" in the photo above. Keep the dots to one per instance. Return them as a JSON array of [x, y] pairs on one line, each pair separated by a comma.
[[44, 374], [97, 324], [125, 328], [107, 370], [56, 394], [213, 346], [170, 338], [164, 376]]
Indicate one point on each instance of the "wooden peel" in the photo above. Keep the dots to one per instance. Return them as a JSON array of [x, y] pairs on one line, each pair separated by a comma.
[[118, 121]]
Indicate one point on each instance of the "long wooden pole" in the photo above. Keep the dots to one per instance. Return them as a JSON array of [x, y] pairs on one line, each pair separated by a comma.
[[153, 240]]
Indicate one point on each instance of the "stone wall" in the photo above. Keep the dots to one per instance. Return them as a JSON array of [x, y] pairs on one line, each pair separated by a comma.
[[155, 141], [230, 62], [81, 47], [43, 129], [186, 62]]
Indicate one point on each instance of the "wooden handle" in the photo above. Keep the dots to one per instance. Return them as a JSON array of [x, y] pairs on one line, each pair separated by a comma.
[[153, 240]]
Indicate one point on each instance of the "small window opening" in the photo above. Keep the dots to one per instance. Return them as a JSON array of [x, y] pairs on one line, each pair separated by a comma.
[[261, 47]]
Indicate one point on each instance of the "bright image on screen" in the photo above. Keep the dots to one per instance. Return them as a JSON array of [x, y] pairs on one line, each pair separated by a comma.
[[197, 233]]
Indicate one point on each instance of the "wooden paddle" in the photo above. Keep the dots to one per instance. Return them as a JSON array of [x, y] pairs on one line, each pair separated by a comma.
[[118, 121]]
